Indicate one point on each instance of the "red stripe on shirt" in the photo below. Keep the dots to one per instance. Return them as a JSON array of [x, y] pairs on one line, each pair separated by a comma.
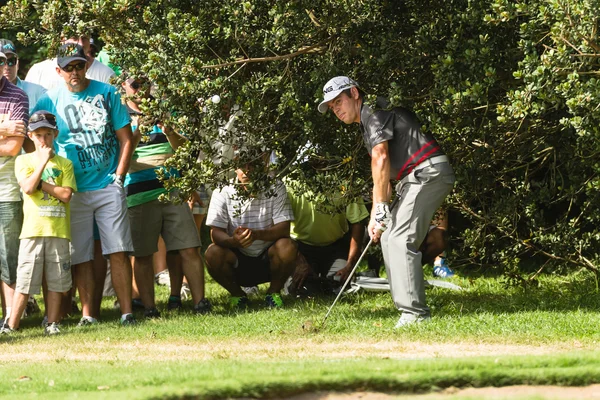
[[407, 163]]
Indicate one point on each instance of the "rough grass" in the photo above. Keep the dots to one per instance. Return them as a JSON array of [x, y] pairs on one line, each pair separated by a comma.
[[487, 334]]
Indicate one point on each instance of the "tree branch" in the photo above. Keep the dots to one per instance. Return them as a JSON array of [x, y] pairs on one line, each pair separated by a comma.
[[304, 50]]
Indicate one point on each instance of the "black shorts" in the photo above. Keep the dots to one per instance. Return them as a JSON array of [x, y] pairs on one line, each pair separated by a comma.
[[321, 258], [251, 271]]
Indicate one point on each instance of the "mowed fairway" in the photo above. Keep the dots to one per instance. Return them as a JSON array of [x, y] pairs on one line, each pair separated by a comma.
[[486, 335]]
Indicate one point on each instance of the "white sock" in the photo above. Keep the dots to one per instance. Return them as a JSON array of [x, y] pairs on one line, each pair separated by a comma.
[[7, 316]]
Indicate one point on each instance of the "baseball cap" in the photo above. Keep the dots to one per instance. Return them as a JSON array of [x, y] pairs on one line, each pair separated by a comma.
[[8, 47], [42, 119], [68, 53], [333, 88]]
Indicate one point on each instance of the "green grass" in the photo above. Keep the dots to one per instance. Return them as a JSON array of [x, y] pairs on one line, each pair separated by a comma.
[[268, 353]]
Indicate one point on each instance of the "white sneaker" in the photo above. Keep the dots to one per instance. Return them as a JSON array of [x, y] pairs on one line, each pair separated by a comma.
[[163, 279], [250, 290], [410, 319], [52, 329]]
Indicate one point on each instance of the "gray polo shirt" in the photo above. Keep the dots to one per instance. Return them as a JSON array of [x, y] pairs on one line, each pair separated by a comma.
[[408, 145]]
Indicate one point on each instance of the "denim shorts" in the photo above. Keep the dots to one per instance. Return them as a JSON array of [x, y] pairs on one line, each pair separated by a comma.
[[11, 220]]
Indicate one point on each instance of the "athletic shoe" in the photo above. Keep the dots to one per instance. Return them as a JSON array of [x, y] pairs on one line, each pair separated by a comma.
[[410, 319], [87, 321], [239, 302], [137, 304], [174, 303], [52, 329], [442, 270], [151, 313], [185, 293], [32, 307], [129, 320], [273, 300], [6, 330], [163, 278], [203, 307], [250, 290]]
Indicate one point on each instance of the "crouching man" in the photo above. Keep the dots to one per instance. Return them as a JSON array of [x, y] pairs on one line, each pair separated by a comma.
[[251, 241]]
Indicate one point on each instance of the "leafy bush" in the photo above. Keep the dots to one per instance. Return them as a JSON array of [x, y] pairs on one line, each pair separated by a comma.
[[510, 89]]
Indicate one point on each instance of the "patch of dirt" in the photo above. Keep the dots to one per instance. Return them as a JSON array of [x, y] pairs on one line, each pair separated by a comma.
[[507, 392], [146, 349]]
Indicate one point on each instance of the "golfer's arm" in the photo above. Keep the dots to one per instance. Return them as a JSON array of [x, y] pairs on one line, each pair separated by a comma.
[[125, 138], [357, 231], [221, 238], [277, 231], [380, 169]]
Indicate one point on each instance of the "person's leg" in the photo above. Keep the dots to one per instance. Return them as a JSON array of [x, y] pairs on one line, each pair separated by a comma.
[[115, 233], [82, 240], [159, 259], [220, 263], [11, 221], [175, 273], [99, 269], [421, 194], [19, 302], [193, 269], [83, 280], [144, 278], [434, 244], [282, 261], [53, 304]]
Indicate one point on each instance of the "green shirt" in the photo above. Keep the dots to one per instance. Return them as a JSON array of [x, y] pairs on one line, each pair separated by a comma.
[[317, 229]]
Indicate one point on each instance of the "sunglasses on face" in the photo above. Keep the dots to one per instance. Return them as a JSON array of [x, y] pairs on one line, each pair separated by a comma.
[[42, 117], [135, 85], [11, 62], [69, 68]]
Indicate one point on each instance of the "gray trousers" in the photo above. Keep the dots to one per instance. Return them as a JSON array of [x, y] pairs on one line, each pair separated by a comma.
[[420, 193]]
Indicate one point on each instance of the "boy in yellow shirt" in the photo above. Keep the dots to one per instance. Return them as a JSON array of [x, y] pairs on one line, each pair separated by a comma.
[[47, 182]]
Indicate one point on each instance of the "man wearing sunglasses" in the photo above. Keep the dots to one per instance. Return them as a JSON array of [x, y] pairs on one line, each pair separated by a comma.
[[33, 90], [14, 116], [95, 134], [43, 74]]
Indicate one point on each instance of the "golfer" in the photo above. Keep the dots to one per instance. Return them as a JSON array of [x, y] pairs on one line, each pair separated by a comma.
[[399, 151]]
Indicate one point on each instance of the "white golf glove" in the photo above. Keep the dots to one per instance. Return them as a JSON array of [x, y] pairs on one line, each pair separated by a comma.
[[383, 218]]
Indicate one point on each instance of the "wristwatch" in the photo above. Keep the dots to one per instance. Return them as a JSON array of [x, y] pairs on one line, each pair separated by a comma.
[[120, 180]]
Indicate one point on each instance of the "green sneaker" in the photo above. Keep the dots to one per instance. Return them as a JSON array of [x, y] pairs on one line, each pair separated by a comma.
[[273, 300], [239, 303]]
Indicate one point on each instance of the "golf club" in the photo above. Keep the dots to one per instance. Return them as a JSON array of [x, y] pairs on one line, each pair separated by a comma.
[[354, 269]]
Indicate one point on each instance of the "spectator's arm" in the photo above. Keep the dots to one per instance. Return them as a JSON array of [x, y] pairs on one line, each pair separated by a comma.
[[11, 146], [175, 139], [221, 238], [125, 138], [60, 192], [277, 231]]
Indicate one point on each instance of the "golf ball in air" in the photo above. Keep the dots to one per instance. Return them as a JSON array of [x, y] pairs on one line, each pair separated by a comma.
[[216, 99]]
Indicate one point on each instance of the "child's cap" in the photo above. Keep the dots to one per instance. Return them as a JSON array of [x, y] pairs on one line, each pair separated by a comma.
[[42, 119]]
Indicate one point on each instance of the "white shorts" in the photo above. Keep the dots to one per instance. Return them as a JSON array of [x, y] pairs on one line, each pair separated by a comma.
[[108, 206]]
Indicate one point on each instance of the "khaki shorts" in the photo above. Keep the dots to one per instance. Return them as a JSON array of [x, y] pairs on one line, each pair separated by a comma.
[[44, 256], [174, 222]]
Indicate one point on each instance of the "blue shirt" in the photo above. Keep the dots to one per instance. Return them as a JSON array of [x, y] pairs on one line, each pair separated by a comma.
[[87, 122], [33, 90]]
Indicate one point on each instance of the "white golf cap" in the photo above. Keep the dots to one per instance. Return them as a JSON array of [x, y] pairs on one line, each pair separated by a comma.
[[333, 88]]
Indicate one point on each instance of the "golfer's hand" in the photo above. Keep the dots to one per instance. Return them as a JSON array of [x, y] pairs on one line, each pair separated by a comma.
[[374, 233], [301, 272], [243, 237]]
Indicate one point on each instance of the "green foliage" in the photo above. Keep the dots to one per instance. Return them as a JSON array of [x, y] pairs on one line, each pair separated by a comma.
[[509, 88]]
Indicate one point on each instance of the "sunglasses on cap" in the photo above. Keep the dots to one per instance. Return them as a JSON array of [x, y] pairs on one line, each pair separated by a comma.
[[11, 62], [35, 118], [69, 68]]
